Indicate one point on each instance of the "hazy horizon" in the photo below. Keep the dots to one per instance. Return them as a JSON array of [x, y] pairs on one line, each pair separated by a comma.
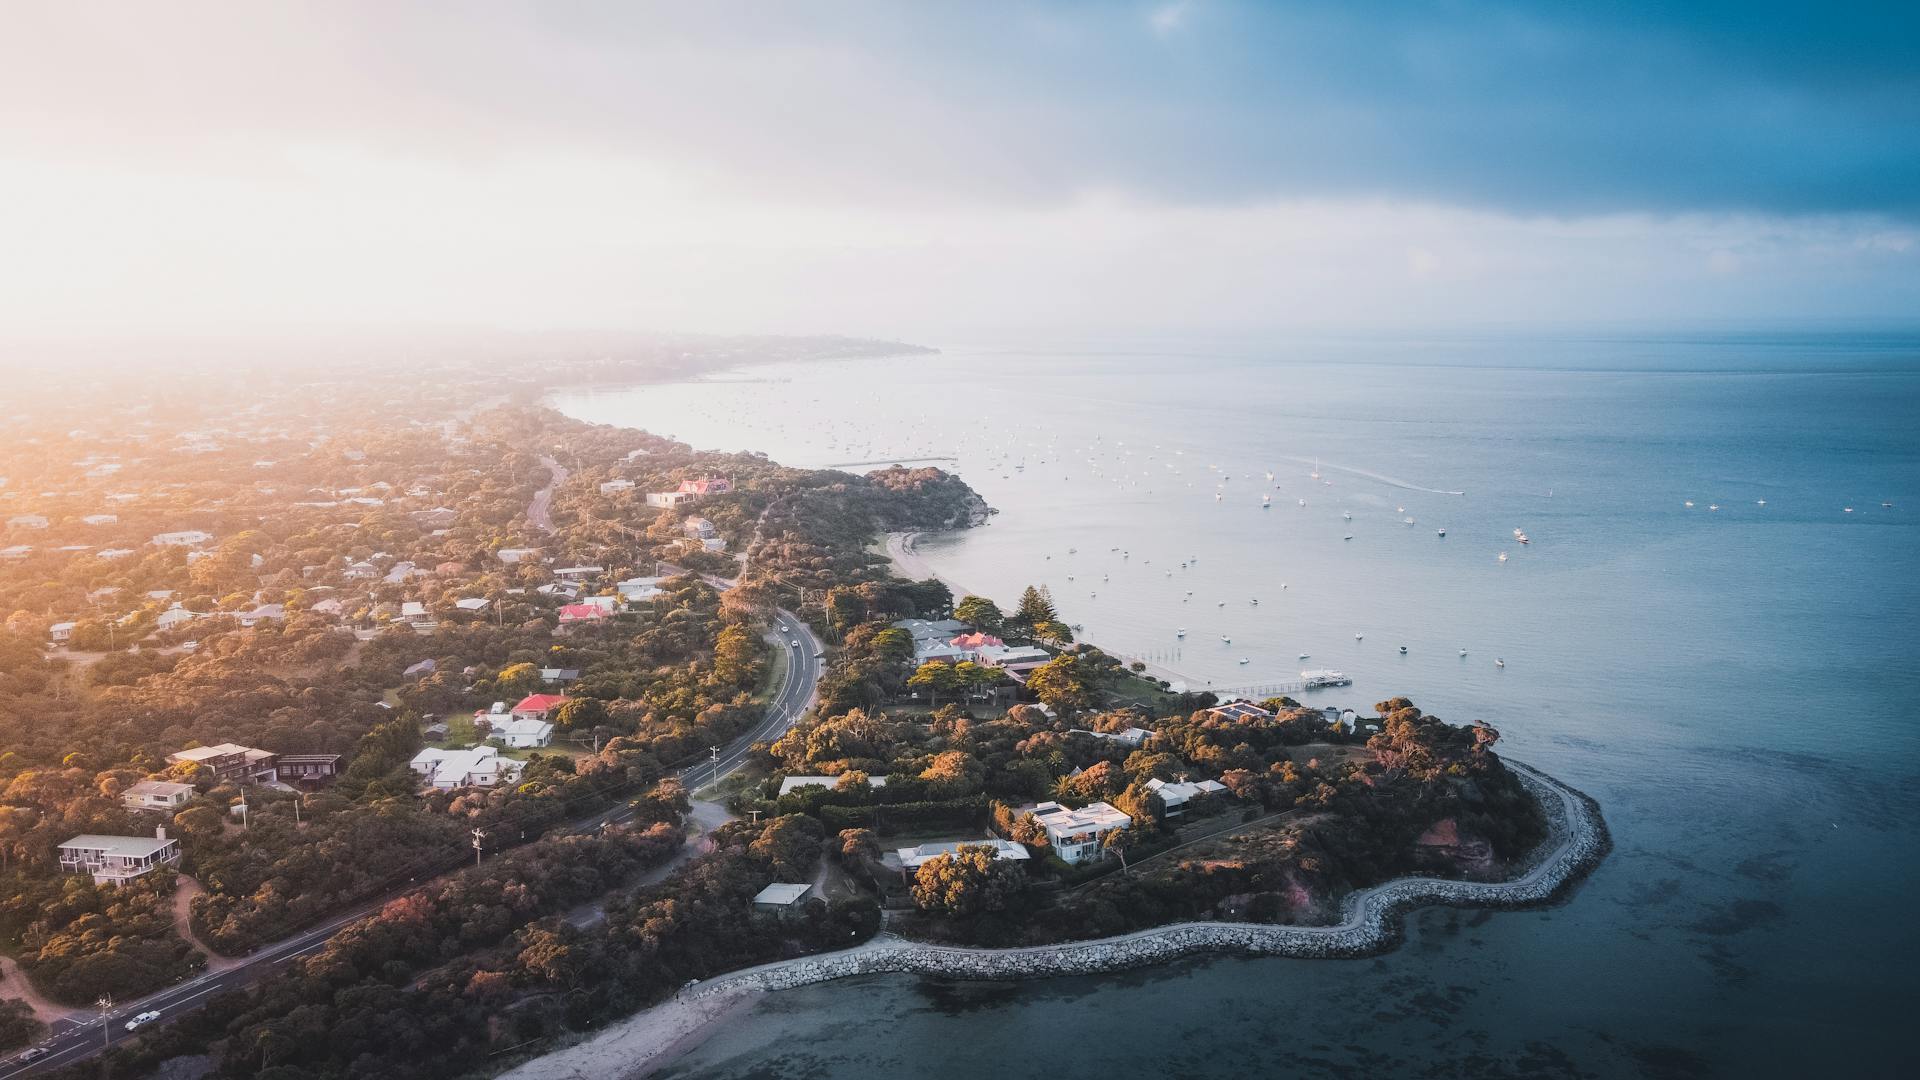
[[1203, 168]]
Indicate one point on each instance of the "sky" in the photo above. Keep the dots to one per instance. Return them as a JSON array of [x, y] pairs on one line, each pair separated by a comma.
[[955, 171]]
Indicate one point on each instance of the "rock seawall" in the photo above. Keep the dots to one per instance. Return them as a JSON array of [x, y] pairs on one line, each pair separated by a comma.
[[1372, 920]]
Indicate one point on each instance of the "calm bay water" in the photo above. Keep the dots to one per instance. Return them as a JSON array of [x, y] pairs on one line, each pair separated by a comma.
[[1735, 686]]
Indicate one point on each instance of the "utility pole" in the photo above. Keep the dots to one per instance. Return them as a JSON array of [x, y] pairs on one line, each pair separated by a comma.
[[754, 815], [716, 763], [477, 837], [243, 810], [105, 1005]]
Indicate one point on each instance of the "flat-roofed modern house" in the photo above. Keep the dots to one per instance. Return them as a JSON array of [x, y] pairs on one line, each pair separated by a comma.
[[162, 796], [1240, 710], [1174, 797], [311, 769], [912, 858], [1076, 835], [230, 761], [116, 860], [782, 898]]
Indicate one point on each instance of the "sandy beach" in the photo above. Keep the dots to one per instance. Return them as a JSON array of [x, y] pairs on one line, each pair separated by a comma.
[[641, 1044]]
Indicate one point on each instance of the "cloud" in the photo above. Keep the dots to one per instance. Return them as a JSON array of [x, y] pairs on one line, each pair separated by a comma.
[[1167, 18]]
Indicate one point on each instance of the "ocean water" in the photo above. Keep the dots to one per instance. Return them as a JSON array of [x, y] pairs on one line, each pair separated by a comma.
[[1735, 686]]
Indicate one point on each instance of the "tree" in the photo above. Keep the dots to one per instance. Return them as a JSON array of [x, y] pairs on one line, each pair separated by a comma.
[[736, 657], [580, 714], [933, 676], [1060, 684], [1116, 843], [981, 613], [1036, 607], [1053, 632], [517, 680], [858, 844], [1028, 830], [967, 882], [957, 771]]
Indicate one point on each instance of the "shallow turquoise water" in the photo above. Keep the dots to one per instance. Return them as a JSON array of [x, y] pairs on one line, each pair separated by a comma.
[[1733, 685]]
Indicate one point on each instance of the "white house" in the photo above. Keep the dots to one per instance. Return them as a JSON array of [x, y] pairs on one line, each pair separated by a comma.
[[511, 556], [476, 766], [615, 487], [911, 858], [183, 538], [472, 603], [175, 616], [522, 732], [161, 795], [59, 632], [1076, 835], [1133, 737], [640, 589], [27, 521], [101, 519], [413, 609], [1174, 797], [782, 898], [115, 860]]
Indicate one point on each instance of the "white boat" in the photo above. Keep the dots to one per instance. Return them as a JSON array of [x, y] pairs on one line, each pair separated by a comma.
[[1266, 501], [1225, 639], [1499, 662], [1403, 650], [1358, 637], [1440, 532], [1463, 652], [1347, 514], [1713, 506], [1255, 601], [1408, 521], [1244, 660], [1689, 504], [1182, 632], [1304, 656], [1349, 536], [1503, 556], [1303, 502], [1847, 510]]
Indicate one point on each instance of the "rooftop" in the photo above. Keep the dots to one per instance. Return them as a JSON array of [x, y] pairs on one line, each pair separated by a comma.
[[781, 893]]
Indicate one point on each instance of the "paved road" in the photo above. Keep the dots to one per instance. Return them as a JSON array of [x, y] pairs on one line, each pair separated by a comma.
[[80, 1036], [539, 510]]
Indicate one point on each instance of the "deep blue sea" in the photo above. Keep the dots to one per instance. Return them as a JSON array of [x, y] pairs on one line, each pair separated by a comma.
[[1736, 686]]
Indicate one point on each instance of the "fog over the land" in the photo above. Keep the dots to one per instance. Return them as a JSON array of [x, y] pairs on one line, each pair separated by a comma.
[[936, 172]]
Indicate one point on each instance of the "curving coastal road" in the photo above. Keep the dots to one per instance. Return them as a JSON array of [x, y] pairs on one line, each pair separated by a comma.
[[79, 1036]]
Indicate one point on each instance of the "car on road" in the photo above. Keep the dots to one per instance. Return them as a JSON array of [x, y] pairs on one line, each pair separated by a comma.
[[34, 1054], [796, 643], [144, 1018]]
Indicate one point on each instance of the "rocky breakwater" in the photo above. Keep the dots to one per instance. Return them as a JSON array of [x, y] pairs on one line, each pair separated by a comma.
[[1371, 922]]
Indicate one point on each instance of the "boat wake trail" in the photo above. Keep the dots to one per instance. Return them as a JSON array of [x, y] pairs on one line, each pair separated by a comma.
[[1387, 480]]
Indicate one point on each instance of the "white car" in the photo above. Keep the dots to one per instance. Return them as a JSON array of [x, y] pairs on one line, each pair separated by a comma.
[[796, 643], [143, 1018]]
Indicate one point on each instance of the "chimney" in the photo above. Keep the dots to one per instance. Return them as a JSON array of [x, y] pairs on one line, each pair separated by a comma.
[[159, 832]]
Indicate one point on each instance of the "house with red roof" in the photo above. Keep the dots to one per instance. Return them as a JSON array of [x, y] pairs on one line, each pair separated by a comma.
[[976, 640]]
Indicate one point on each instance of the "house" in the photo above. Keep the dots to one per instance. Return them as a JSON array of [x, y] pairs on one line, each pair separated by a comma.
[[1133, 737], [115, 860], [976, 640], [714, 543], [475, 766], [1241, 711], [413, 609], [112, 553], [100, 519], [1174, 797], [640, 589], [1012, 659], [1076, 835], [578, 573], [474, 604], [524, 732], [27, 521], [790, 783], [689, 491], [615, 487], [782, 898], [667, 500], [512, 556], [559, 675], [439, 517], [16, 551], [174, 616], [262, 613], [229, 761], [59, 632], [183, 538], [590, 609], [360, 571], [159, 795], [698, 527], [329, 606], [912, 858], [307, 768], [403, 572], [537, 706]]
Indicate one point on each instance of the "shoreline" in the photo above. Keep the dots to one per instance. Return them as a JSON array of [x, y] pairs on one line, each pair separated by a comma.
[[1372, 922]]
